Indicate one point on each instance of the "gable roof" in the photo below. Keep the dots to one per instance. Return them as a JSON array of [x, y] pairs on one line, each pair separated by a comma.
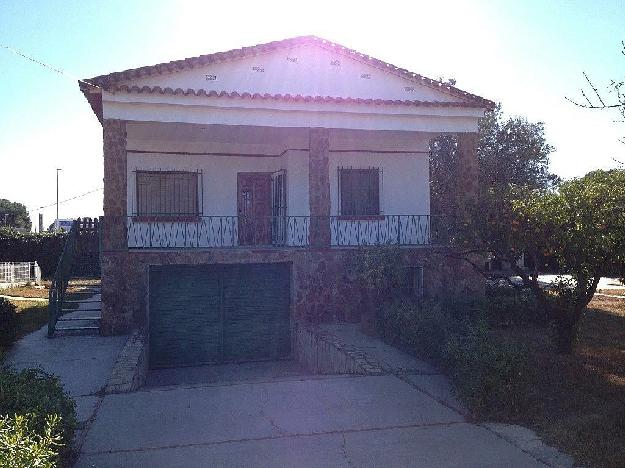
[[115, 82]]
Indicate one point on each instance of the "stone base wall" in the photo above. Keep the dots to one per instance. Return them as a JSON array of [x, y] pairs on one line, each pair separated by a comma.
[[322, 353], [131, 367], [323, 286]]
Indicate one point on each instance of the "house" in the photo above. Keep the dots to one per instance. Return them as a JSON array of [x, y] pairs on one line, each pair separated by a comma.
[[237, 186], [64, 225]]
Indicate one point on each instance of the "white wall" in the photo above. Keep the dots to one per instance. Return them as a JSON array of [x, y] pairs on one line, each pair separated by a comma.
[[311, 74], [298, 202], [219, 191], [219, 176], [259, 112], [402, 158], [404, 184], [307, 70]]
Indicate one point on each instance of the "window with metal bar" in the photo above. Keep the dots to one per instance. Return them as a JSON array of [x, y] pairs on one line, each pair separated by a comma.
[[167, 193], [359, 191]]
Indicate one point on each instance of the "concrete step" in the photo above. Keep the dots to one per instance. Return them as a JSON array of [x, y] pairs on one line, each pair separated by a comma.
[[94, 309], [78, 322], [80, 318], [76, 330]]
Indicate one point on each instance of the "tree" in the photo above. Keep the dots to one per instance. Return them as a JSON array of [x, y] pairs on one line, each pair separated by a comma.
[[513, 152], [523, 209], [513, 156], [583, 226], [596, 99], [14, 214]]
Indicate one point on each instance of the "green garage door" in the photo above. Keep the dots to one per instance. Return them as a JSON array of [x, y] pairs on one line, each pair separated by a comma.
[[218, 313]]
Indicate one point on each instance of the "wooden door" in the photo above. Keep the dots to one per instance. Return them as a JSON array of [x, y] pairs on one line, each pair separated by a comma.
[[254, 208]]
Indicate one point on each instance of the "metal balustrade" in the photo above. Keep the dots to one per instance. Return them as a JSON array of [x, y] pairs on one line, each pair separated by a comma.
[[279, 231]]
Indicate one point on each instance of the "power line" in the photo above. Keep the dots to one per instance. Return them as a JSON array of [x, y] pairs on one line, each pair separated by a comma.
[[69, 199], [46, 65]]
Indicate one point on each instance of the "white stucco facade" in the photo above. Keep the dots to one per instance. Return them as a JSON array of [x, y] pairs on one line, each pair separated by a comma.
[[401, 158], [253, 113]]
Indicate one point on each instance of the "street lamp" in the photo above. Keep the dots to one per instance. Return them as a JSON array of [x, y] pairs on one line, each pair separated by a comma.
[[56, 223]]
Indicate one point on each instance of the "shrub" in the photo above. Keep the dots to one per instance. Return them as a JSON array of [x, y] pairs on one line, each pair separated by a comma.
[[21, 445], [507, 305], [41, 396], [492, 375], [8, 322], [420, 328]]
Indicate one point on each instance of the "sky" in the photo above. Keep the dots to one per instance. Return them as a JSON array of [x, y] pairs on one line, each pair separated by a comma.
[[528, 55]]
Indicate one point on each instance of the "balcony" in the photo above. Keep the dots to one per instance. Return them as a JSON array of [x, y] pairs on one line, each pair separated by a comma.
[[205, 232]]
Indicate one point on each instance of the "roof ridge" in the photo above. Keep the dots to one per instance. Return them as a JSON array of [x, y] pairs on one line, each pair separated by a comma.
[[111, 79]]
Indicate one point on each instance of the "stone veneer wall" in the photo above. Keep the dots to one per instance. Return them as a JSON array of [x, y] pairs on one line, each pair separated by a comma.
[[131, 367], [323, 287], [323, 353], [319, 186], [114, 225], [115, 186]]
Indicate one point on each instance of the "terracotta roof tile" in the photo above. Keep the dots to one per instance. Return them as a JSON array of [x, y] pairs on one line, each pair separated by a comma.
[[112, 79], [283, 97]]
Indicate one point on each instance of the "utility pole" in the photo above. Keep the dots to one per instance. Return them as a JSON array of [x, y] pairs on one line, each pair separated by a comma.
[[56, 223]]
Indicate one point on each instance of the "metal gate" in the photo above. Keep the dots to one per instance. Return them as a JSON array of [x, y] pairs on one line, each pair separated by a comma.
[[219, 313]]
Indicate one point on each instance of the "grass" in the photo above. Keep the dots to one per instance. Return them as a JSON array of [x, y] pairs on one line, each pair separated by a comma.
[[578, 403], [26, 291], [75, 286], [32, 315]]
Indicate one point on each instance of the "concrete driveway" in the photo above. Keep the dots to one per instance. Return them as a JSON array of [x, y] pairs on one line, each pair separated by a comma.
[[288, 419]]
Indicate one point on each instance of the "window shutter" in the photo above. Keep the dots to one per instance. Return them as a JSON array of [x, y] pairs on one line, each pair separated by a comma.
[[359, 192], [163, 193]]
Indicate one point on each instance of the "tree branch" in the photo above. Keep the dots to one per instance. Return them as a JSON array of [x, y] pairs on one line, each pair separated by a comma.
[[592, 106], [594, 88]]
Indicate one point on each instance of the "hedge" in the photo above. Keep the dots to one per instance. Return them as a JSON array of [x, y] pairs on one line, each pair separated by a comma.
[[49, 412], [44, 248]]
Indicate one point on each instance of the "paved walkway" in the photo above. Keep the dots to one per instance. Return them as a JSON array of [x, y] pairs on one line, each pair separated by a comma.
[[83, 363], [273, 414], [305, 421], [420, 374]]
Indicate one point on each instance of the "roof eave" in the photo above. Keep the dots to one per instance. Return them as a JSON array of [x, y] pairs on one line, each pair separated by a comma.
[[93, 94]]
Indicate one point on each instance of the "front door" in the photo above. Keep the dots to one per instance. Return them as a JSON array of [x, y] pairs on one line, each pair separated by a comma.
[[254, 208]]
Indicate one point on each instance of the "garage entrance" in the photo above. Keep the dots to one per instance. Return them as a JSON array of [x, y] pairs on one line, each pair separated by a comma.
[[205, 314]]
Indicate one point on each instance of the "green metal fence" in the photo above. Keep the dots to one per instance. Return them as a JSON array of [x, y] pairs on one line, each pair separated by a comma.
[[61, 279]]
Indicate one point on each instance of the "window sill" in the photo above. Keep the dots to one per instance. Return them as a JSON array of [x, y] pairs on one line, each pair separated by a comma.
[[166, 218], [361, 218]]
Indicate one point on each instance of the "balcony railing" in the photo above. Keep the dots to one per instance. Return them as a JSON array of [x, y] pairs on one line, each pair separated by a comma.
[[280, 231]]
